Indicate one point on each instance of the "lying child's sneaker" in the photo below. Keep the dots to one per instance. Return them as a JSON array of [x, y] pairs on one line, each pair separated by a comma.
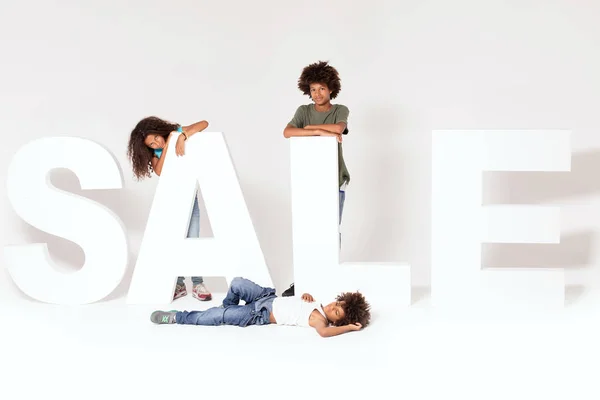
[[180, 291], [201, 292], [289, 292], [163, 317]]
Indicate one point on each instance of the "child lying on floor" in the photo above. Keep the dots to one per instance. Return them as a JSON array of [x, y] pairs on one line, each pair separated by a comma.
[[350, 311]]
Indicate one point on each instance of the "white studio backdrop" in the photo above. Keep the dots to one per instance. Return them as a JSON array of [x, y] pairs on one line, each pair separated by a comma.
[[93, 69]]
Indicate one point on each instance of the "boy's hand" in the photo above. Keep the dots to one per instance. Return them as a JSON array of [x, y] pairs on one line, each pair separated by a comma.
[[308, 298], [355, 327], [321, 132]]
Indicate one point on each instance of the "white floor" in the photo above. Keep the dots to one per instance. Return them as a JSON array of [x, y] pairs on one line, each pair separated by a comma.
[[112, 350]]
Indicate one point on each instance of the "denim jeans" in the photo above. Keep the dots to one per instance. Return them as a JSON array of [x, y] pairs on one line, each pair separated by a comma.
[[342, 200], [256, 311], [193, 232]]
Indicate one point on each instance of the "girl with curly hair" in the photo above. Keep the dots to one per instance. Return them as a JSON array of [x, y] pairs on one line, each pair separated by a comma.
[[147, 141], [321, 82]]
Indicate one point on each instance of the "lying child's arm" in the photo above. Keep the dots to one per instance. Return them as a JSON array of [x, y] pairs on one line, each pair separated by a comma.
[[323, 328]]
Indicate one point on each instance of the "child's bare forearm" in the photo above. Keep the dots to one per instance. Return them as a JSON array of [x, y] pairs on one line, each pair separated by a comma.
[[334, 330], [291, 132], [195, 128], [332, 128]]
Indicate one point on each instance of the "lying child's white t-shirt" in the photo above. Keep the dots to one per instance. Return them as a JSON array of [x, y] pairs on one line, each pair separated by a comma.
[[294, 311]]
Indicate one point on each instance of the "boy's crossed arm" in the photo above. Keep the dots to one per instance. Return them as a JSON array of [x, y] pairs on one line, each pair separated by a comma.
[[337, 129], [315, 130]]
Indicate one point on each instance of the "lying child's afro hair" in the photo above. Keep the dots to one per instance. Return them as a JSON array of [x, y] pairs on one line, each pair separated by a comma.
[[356, 309]]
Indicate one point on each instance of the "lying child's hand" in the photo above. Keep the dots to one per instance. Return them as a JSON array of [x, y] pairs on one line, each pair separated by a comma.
[[308, 298], [355, 327]]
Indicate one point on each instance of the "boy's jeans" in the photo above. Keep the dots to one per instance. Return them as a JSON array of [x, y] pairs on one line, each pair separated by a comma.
[[193, 232], [256, 311], [342, 200]]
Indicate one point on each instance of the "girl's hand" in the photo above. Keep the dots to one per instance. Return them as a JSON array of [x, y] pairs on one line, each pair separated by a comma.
[[180, 145]]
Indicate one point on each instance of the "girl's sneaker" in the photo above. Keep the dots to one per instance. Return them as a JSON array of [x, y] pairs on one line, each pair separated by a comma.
[[201, 292], [180, 291]]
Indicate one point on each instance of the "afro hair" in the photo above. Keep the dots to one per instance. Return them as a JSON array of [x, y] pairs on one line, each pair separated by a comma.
[[356, 309], [320, 72]]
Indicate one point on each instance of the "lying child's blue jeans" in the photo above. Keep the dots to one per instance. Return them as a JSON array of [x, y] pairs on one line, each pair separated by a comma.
[[256, 311]]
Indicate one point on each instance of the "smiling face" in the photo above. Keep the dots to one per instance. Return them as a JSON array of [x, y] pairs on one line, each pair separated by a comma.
[[334, 311], [155, 141], [320, 93]]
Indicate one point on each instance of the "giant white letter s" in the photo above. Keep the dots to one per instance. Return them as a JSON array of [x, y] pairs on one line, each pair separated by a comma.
[[94, 227]]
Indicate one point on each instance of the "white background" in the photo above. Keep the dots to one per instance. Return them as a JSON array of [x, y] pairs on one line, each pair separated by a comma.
[[93, 69]]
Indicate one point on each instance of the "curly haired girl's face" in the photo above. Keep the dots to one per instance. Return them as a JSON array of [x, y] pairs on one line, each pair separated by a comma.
[[320, 93], [155, 141]]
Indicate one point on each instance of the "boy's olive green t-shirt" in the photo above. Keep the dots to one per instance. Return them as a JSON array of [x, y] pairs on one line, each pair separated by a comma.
[[307, 115]]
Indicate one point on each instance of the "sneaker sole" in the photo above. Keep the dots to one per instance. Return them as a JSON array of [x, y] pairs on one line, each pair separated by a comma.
[[207, 298]]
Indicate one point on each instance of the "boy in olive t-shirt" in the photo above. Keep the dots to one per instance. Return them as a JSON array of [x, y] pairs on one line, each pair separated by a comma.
[[321, 82]]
